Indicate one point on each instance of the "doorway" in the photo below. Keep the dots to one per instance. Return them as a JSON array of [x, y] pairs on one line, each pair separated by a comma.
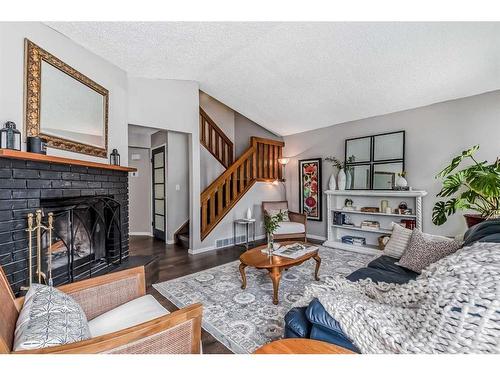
[[158, 183]]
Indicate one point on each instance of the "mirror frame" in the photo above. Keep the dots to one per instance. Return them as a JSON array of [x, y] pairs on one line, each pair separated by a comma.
[[34, 55], [372, 162]]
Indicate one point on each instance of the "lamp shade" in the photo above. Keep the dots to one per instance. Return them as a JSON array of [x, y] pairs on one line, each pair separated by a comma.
[[283, 161]]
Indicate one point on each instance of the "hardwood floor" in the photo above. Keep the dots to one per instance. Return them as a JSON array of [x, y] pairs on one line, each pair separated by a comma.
[[173, 262]]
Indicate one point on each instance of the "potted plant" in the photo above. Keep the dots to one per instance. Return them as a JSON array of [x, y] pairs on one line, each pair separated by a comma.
[[476, 187], [271, 224]]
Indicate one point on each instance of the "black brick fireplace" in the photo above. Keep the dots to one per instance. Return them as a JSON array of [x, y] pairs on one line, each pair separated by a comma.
[[26, 186]]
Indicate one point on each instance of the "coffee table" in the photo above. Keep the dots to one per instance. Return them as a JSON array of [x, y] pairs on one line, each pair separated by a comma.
[[274, 264], [301, 346]]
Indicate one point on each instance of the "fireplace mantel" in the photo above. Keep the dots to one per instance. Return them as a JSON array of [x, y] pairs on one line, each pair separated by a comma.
[[21, 155]]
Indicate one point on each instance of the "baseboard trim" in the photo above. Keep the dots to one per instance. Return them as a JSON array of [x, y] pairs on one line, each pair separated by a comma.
[[316, 237], [212, 248], [141, 234]]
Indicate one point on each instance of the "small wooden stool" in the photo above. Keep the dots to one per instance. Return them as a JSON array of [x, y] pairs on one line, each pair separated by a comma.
[[301, 346]]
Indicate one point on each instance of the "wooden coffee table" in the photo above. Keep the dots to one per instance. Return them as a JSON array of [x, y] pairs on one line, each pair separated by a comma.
[[301, 346], [274, 264]]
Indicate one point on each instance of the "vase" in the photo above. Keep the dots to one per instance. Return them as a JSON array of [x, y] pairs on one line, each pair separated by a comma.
[[341, 179], [332, 182], [270, 244], [401, 182], [249, 213]]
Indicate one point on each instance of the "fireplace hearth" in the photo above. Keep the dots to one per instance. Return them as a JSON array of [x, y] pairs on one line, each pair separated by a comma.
[[89, 193]]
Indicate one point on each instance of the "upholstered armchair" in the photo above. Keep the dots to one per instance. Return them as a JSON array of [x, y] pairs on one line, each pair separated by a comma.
[[136, 320], [295, 229]]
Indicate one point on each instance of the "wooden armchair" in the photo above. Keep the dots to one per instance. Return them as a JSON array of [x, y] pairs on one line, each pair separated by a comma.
[[295, 229], [175, 333]]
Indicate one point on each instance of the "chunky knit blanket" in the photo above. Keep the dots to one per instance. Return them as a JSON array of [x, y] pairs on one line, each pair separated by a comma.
[[452, 307]]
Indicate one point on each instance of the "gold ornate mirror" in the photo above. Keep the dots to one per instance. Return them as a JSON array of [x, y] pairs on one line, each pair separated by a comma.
[[64, 108]]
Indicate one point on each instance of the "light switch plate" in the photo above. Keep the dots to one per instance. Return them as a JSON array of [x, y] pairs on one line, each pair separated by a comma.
[[134, 174], [178, 187]]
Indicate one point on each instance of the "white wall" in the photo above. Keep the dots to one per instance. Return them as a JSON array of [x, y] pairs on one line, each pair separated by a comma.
[[139, 186], [177, 176], [111, 77], [434, 135], [172, 105]]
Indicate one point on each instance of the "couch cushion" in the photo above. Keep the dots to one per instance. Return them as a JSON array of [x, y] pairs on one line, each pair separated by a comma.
[[386, 263], [290, 227], [378, 275], [135, 312], [296, 321], [49, 317], [487, 231], [398, 242], [326, 328], [425, 249]]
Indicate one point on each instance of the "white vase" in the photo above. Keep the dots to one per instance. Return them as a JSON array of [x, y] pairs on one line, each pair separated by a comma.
[[332, 182], [401, 182], [249, 213], [341, 180]]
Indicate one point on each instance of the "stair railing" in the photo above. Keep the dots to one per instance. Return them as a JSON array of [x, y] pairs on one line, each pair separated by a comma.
[[258, 163], [215, 141]]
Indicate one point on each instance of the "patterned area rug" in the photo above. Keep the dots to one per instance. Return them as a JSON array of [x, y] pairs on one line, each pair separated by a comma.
[[244, 320]]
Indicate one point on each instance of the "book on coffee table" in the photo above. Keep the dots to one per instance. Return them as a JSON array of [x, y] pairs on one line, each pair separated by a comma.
[[294, 251]]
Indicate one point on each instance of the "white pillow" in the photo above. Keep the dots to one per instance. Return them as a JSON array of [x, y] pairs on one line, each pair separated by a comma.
[[49, 317], [273, 212], [400, 238]]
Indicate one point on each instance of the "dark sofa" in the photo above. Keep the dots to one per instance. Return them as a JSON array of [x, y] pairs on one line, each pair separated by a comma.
[[314, 322]]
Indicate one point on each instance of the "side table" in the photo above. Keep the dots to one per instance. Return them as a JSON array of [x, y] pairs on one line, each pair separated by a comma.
[[301, 346], [247, 224]]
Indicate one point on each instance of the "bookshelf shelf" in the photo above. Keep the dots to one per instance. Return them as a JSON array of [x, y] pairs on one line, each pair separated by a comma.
[[368, 198]]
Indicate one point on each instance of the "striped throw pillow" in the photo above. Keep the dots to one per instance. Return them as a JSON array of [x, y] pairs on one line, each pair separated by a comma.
[[398, 242]]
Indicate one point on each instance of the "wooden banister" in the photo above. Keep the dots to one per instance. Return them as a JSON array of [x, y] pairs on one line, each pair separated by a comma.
[[258, 163], [215, 141]]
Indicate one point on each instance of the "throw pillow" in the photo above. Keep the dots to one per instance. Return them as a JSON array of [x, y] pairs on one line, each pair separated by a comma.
[[425, 249], [398, 242], [284, 211], [49, 317]]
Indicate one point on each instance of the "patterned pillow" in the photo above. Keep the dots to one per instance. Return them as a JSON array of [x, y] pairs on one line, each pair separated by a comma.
[[400, 238], [284, 211], [49, 317], [425, 249]]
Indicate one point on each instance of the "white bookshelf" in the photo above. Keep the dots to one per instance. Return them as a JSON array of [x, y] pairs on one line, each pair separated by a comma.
[[368, 198]]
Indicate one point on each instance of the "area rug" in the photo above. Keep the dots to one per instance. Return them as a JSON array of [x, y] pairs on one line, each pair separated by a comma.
[[244, 320]]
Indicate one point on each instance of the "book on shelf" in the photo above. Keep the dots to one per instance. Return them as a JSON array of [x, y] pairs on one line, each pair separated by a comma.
[[370, 224], [295, 250], [354, 240]]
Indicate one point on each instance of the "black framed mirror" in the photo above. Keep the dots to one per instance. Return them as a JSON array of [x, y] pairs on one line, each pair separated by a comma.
[[374, 162]]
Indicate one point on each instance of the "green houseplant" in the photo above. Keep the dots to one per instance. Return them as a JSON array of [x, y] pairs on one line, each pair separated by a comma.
[[271, 223], [475, 187]]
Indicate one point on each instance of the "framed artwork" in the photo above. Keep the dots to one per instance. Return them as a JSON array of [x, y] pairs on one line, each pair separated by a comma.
[[310, 188]]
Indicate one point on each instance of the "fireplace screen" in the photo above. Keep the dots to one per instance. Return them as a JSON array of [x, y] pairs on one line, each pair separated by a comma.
[[86, 237]]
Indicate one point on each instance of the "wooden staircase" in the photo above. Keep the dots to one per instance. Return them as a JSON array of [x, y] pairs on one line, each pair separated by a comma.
[[258, 163]]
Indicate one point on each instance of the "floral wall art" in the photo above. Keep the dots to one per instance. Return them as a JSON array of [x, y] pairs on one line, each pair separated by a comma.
[[310, 188]]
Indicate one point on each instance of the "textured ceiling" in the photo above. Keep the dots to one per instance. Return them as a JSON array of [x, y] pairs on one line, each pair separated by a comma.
[[293, 77]]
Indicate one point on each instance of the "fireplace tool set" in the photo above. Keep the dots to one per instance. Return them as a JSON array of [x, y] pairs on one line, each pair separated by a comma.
[[38, 227]]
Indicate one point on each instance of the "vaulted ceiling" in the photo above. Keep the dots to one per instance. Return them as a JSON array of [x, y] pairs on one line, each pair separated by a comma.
[[293, 77]]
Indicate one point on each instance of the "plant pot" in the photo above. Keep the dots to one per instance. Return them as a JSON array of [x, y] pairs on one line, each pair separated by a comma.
[[473, 219]]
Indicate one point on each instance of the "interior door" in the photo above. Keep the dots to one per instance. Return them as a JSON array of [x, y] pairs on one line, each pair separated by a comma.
[[158, 174]]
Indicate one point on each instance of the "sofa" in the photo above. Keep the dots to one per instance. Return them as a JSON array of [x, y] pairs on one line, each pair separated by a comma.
[[314, 322]]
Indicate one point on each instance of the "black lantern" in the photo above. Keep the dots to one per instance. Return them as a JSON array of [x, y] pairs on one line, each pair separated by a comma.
[[10, 137], [114, 157]]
